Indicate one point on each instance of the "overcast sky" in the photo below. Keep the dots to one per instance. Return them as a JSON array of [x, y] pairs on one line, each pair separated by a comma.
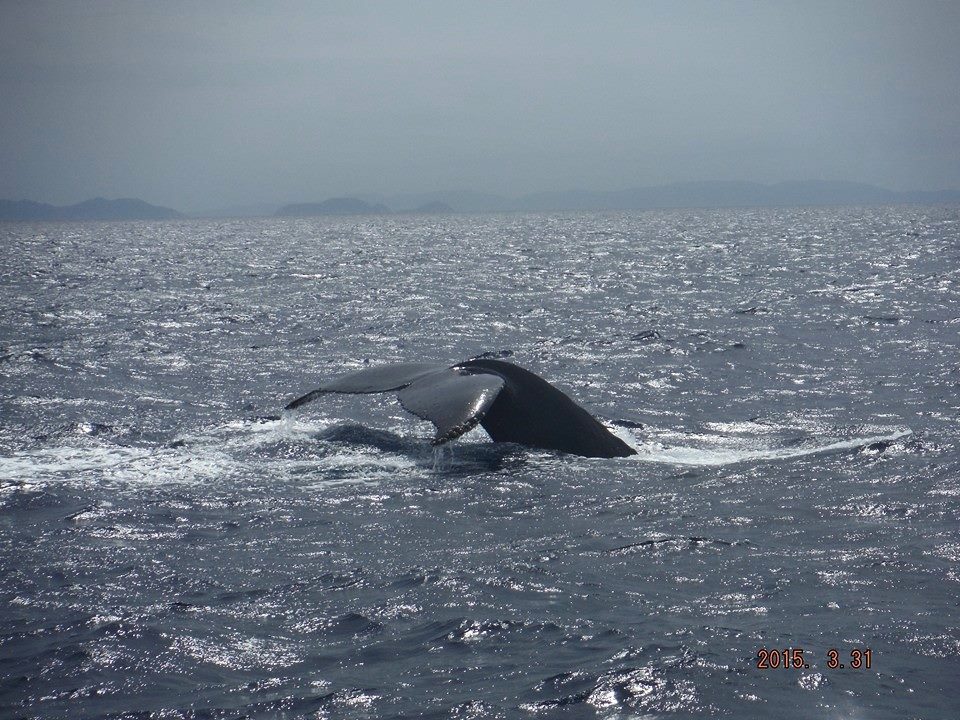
[[204, 105]]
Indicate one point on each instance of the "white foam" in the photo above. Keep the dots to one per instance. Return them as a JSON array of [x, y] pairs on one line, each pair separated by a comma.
[[262, 432], [729, 451], [111, 464], [232, 450], [242, 449]]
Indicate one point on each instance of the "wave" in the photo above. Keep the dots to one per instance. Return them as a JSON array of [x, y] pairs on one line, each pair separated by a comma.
[[237, 450], [323, 453], [721, 449]]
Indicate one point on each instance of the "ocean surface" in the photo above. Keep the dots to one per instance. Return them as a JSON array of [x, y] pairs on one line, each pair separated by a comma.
[[173, 546]]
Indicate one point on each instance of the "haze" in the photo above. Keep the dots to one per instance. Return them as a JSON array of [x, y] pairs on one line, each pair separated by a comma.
[[216, 104]]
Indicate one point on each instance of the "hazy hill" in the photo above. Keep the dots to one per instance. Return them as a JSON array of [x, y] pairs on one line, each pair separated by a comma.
[[458, 200], [730, 194], [333, 206], [678, 195], [239, 211], [432, 208], [95, 209]]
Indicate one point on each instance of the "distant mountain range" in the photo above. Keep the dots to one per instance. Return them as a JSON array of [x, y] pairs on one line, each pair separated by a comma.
[[95, 209], [333, 206], [735, 194], [677, 195], [684, 195], [355, 206]]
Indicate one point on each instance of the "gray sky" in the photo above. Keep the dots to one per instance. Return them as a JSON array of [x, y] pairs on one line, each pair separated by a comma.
[[202, 105]]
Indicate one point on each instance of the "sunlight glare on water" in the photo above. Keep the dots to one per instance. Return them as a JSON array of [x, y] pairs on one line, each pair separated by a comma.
[[174, 544]]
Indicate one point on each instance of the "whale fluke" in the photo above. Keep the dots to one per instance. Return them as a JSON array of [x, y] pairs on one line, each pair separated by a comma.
[[372, 380], [510, 403]]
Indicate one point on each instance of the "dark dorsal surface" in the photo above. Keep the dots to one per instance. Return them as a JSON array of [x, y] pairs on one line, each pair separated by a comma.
[[531, 411], [512, 404]]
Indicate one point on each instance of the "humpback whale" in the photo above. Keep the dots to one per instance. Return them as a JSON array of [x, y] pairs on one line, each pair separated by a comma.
[[512, 404]]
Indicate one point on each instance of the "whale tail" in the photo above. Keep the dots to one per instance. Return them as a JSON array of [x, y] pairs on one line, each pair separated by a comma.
[[510, 403]]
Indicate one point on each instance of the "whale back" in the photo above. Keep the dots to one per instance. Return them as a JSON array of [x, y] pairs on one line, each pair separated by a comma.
[[530, 411]]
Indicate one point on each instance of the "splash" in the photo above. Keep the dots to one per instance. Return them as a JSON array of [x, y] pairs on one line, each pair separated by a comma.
[[265, 450]]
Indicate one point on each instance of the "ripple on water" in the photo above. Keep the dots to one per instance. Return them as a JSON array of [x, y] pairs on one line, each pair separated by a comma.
[[173, 544]]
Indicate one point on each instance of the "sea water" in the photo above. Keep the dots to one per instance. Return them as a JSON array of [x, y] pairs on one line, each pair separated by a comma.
[[173, 545]]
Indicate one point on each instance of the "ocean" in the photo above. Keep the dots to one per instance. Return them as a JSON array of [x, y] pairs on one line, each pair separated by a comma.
[[173, 545]]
